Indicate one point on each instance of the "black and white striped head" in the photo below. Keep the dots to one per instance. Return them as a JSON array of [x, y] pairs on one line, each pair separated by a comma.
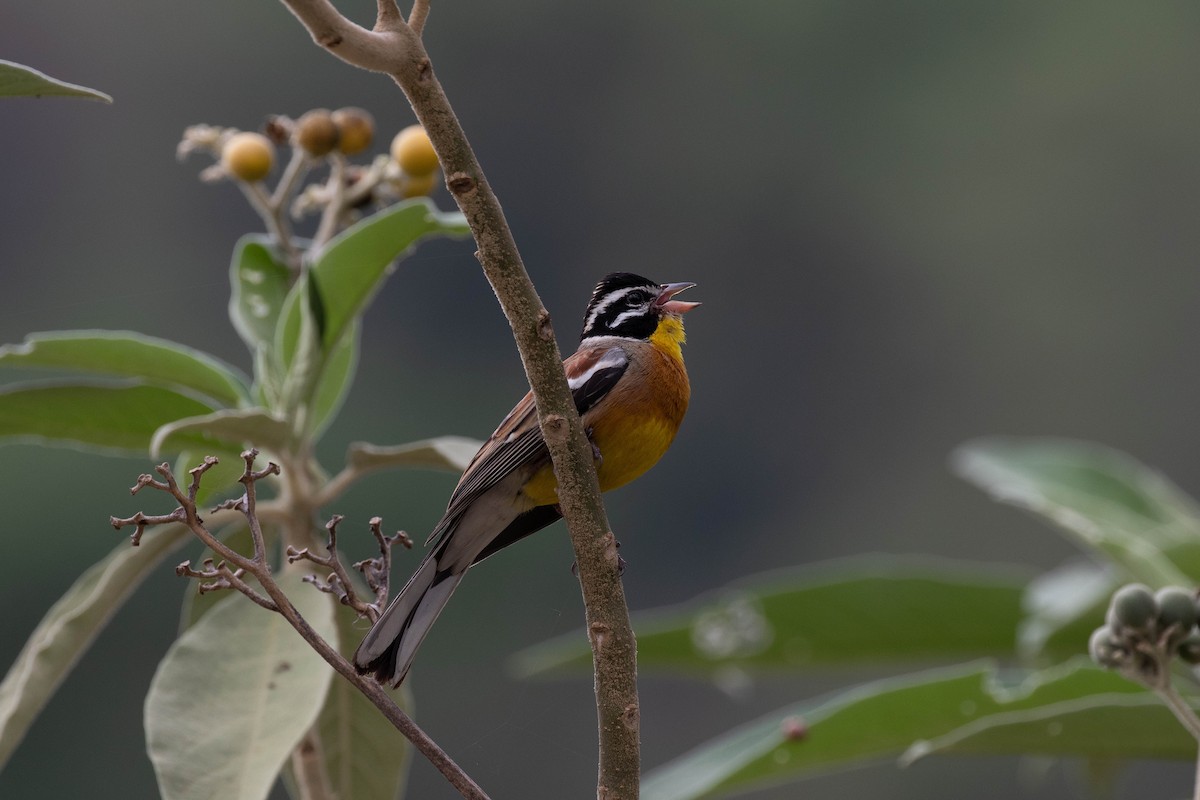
[[631, 306]]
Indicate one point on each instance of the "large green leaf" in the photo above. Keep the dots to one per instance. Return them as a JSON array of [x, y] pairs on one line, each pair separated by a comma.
[[323, 307], [120, 417], [871, 609], [1105, 500], [69, 627], [354, 264], [234, 695], [18, 80], [227, 430], [133, 355], [1106, 726], [872, 721]]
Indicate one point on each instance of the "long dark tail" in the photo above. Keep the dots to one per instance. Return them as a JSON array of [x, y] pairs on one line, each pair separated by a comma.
[[389, 647]]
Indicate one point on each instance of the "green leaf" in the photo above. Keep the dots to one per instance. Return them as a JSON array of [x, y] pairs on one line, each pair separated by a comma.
[[852, 611], [298, 343], [324, 306], [1100, 726], [366, 758], [18, 80], [120, 417], [335, 380], [234, 695], [261, 282], [355, 263], [1103, 499], [69, 627], [225, 430], [452, 453], [133, 355], [872, 721]]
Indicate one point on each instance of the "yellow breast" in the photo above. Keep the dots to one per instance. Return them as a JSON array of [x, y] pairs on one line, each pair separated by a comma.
[[633, 426]]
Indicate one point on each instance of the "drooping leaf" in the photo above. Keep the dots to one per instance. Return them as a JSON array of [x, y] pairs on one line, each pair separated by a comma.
[[18, 80], [452, 453], [68, 628], [108, 417], [861, 610], [133, 355], [234, 695], [872, 721], [1103, 499], [228, 430]]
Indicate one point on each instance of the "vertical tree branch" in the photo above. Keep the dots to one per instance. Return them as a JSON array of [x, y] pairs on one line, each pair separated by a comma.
[[395, 48]]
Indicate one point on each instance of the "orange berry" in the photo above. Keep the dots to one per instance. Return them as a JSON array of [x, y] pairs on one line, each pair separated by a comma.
[[356, 129], [316, 132], [248, 156], [413, 151], [419, 185]]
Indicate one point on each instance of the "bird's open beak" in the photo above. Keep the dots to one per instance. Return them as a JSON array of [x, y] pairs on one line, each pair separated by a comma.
[[665, 302]]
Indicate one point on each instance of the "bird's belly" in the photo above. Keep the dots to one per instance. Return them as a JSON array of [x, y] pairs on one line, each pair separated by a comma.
[[628, 447]]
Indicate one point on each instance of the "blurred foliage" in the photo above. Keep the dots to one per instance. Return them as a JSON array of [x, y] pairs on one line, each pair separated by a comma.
[[948, 218], [885, 611]]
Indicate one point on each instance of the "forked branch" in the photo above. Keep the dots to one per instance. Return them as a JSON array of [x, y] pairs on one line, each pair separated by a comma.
[[230, 573], [395, 47]]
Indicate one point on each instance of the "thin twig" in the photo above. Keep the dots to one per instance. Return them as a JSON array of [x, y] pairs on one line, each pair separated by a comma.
[[292, 173], [308, 763], [418, 15], [274, 219], [336, 206], [1181, 709], [339, 583], [260, 569]]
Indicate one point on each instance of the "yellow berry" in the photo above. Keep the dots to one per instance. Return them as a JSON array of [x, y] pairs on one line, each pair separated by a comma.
[[413, 151], [419, 185], [316, 132], [248, 156], [355, 127]]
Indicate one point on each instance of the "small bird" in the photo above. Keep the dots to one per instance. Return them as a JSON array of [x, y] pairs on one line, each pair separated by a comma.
[[631, 390]]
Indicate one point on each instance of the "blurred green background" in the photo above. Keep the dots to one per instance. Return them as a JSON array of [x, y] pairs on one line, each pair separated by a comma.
[[910, 224]]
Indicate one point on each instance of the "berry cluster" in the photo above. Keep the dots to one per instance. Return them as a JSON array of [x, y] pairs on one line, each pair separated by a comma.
[[318, 137], [1144, 630]]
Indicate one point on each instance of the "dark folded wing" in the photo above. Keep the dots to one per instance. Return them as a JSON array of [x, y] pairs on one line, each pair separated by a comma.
[[518, 443]]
